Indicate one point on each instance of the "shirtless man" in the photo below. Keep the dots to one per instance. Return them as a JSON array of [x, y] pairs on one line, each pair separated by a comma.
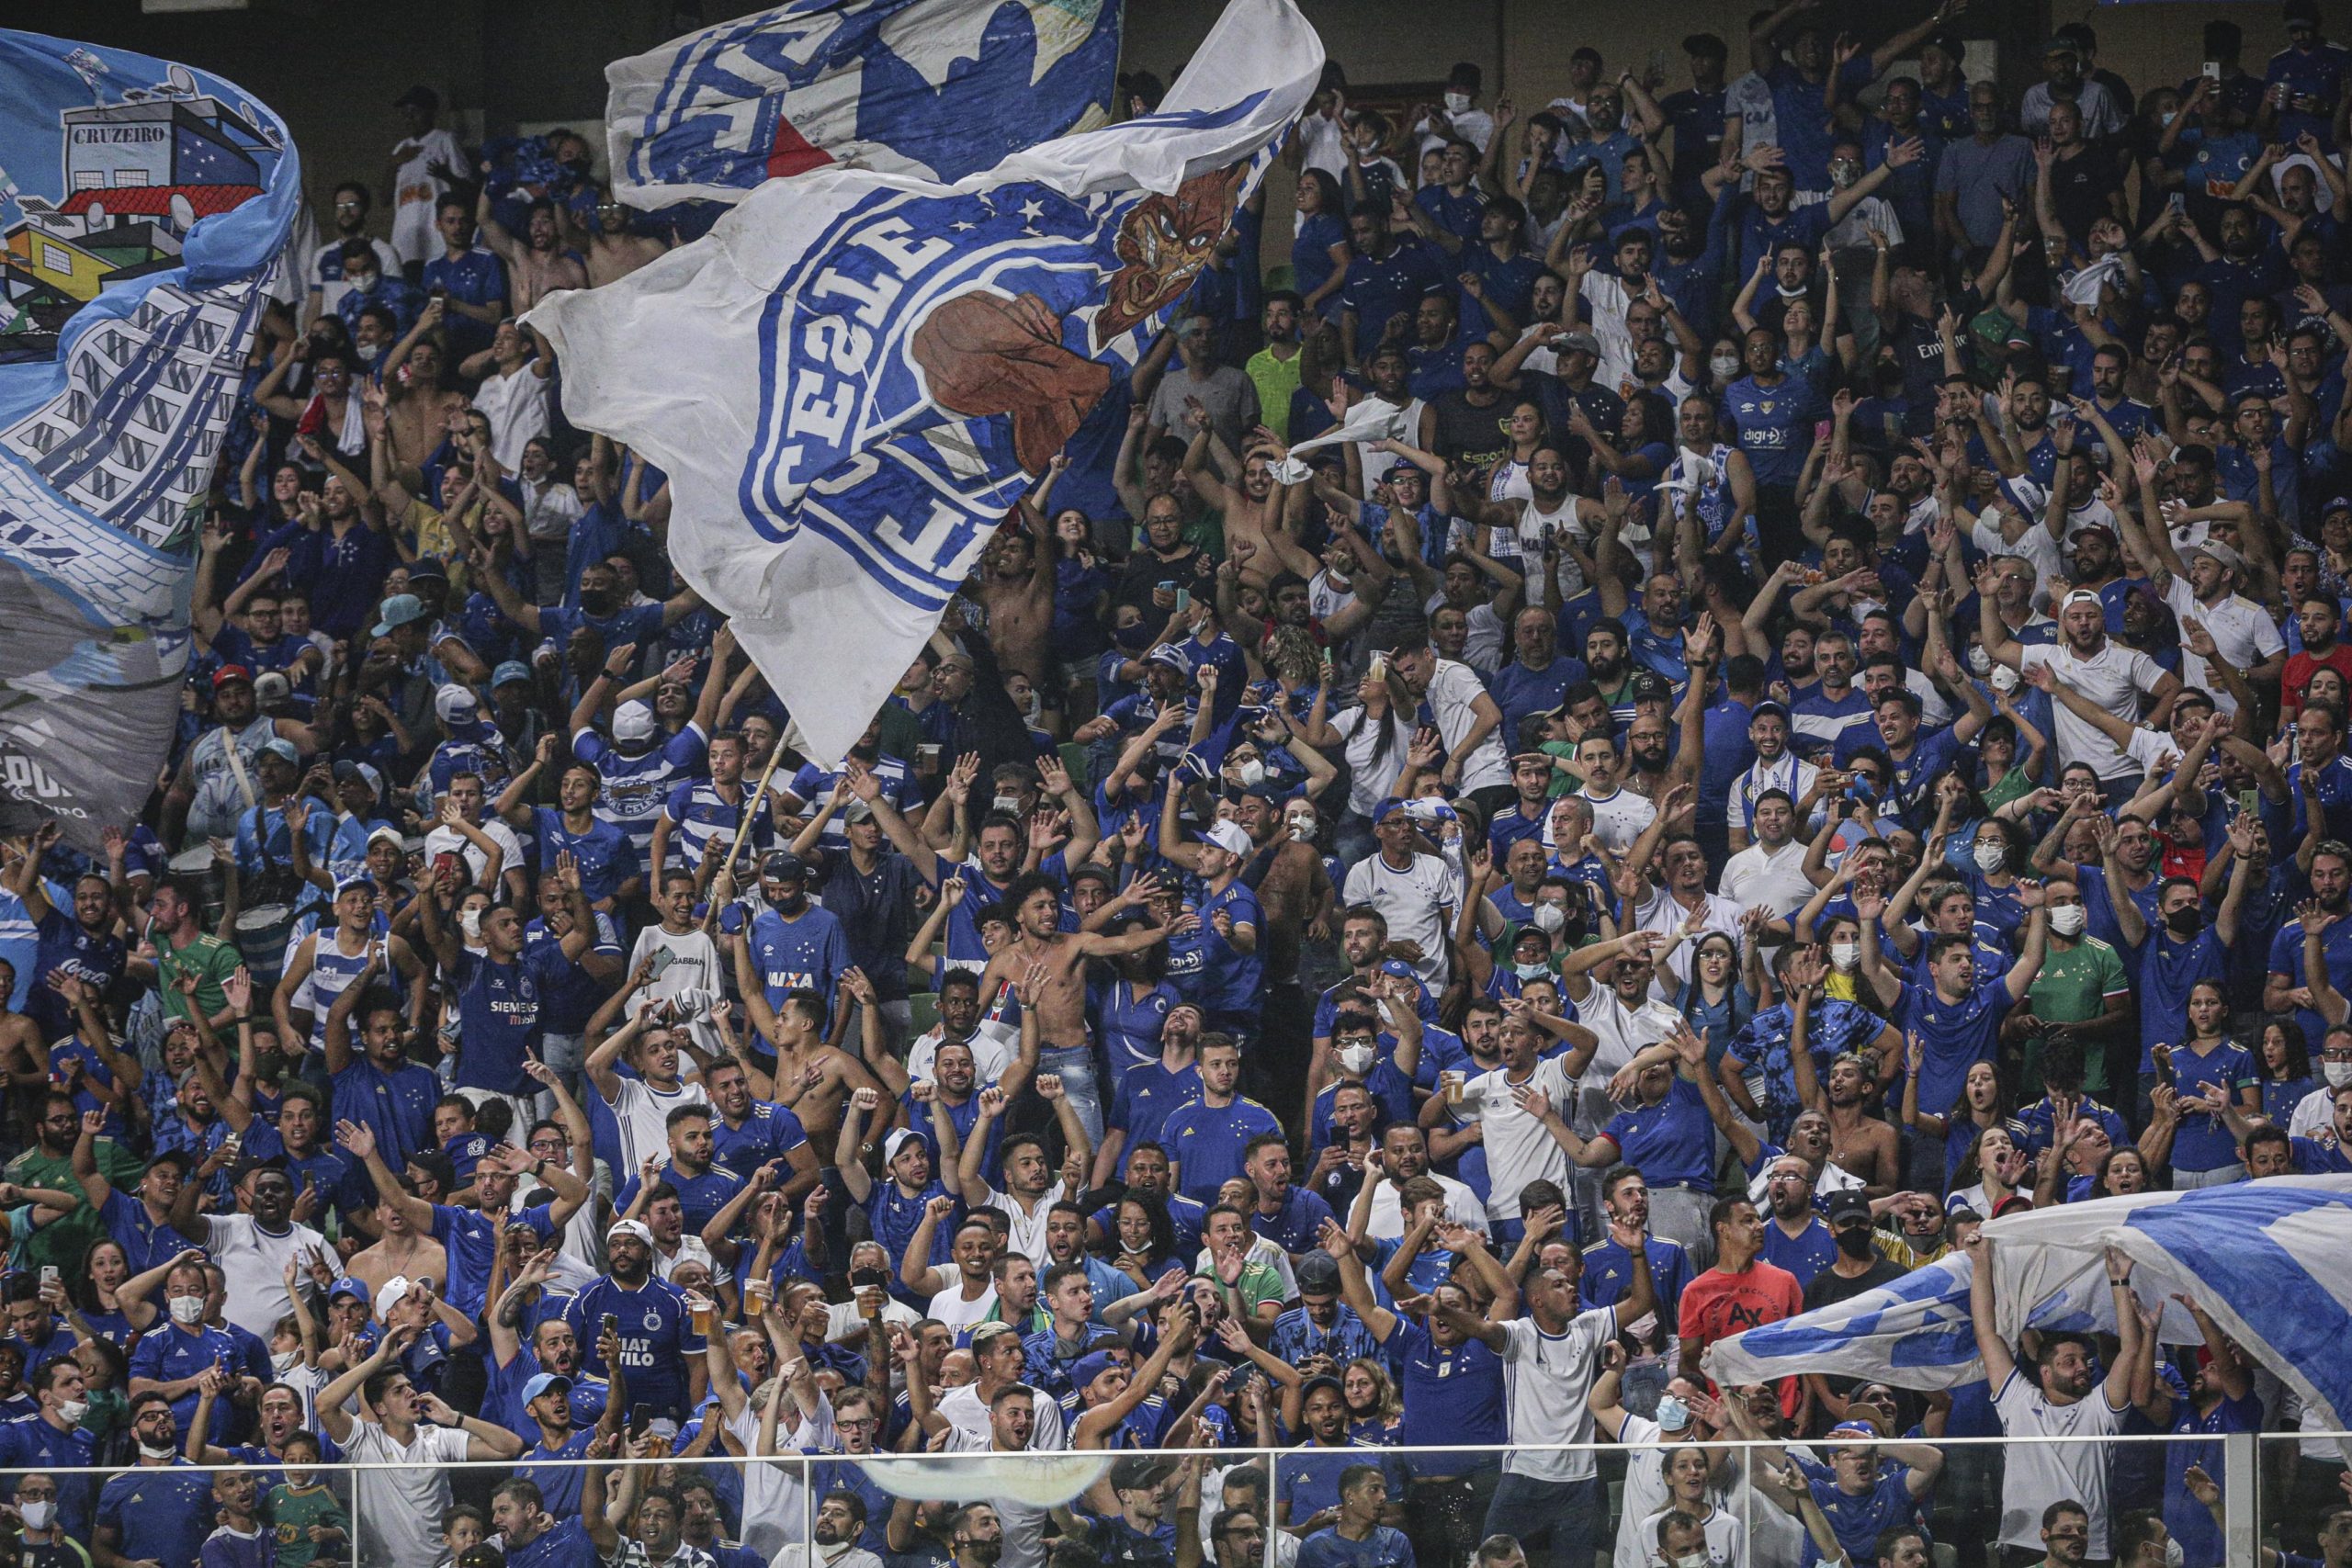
[[1050, 964], [812, 1076], [612, 247], [536, 269], [1017, 586], [418, 408], [1259, 511], [405, 1250]]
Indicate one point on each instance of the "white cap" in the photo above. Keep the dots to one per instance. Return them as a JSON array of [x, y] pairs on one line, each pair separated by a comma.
[[629, 1227], [394, 1290], [454, 705], [632, 722], [1230, 838]]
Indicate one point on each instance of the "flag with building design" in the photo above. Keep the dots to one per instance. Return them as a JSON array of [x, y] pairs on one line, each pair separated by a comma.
[[143, 206]]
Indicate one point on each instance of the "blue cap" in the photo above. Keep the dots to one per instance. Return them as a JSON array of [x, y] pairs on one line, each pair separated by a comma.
[[1387, 808], [399, 610], [350, 1285], [1089, 1367], [544, 1383], [513, 670]]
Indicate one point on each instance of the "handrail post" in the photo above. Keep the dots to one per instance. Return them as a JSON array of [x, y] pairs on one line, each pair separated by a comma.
[[2241, 1495]]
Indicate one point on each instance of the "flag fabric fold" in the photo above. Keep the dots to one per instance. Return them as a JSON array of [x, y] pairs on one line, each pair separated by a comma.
[[143, 209], [2271, 1260], [938, 89], [854, 375]]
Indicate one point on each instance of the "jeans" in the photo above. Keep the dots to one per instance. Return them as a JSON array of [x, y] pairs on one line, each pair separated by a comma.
[[2220, 1176], [1555, 1522], [1075, 1064], [564, 1052], [1352, 839]]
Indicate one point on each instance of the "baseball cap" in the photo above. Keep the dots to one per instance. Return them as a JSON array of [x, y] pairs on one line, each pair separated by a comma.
[[513, 670], [629, 1227], [174, 1157], [1166, 653], [1652, 687], [2060, 44], [398, 611], [1768, 706], [272, 686], [1863, 1429], [427, 569], [1089, 1367], [898, 1140], [348, 883], [395, 1290], [2222, 555], [1847, 1204], [1136, 1472], [632, 722], [422, 96], [231, 673], [1230, 838], [454, 705], [856, 810], [1318, 1274], [785, 866], [390, 835], [2335, 504], [352, 1286], [1385, 809], [543, 1383], [2083, 596], [1568, 342], [278, 746]]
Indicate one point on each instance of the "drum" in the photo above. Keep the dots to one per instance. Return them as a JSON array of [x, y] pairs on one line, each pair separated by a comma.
[[262, 933], [199, 866]]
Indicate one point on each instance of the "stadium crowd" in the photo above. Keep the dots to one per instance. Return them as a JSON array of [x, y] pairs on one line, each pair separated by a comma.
[[1776, 728]]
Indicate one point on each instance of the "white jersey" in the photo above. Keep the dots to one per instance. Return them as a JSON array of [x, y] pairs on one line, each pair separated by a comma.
[[643, 1113], [1701, 481]]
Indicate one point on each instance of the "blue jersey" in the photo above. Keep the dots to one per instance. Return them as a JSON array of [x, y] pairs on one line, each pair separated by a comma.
[[700, 1197], [1205, 1141], [1805, 1253], [570, 995], [471, 277], [498, 1017], [1857, 1519], [636, 786], [1608, 1274], [1956, 1035], [812, 785], [32, 1443], [769, 1132], [1672, 1143], [1130, 1018], [171, 1353], [1233, 981], [472, 1243], [806, 953], [159, 1513], [656, 1338], [699, 816], [604, 854], [396, 1105], [1775, 425]]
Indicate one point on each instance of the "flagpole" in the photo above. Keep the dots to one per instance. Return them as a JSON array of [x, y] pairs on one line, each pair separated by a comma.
[[759, 798]]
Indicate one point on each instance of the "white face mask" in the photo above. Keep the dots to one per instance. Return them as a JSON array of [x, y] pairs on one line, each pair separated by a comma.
[[469, 923], [1355, 1060], [1726, 367], [2174, 1555], [37, 1514], [1693, 1560], [1979, 661], [2068, 919], [1250, 771], [2338, 1074], [369, 353], [1456, 102], [187, 1309], [1990, 852], [1531, 971], [1845, 954], [283, 1362], [1547, 918], [72, 1410], [1009, 805], [148, 1450], [1302, 827]]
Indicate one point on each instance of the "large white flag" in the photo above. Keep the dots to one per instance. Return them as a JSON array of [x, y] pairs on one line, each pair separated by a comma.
[[853, 375]]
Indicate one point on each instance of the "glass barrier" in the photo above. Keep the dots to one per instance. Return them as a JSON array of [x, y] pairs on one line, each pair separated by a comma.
[[419, 1505]]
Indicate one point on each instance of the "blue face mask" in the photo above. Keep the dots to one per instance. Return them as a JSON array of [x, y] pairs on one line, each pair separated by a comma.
[[1673, 1414]]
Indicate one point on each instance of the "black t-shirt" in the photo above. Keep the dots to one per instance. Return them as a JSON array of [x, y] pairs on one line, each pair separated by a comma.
[[1469, 433], [2080, 188], [1828, 1287]]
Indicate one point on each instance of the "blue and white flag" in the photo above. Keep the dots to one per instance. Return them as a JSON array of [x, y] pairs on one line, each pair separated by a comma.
[[853, 375], [142, 209], [2271, 1260], [934, 88]]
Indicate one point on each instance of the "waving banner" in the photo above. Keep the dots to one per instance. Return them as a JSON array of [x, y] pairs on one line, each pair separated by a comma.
[[2271, 1260], [143, 209], [934, 88], [853, 377]]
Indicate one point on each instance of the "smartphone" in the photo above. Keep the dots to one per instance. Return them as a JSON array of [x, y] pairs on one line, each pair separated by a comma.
[[2212, 70], [1183, 600], [2247, 799], [2177, 203], [612, 1324], [640, 1417], [49, 1276]]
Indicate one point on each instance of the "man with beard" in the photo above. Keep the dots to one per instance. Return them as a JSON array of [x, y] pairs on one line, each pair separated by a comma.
[[2111, 675], [2243, 266], [656, 1338], [839, 1524], [2204, 592], [519, 1360], [536, 1531], [1386, 279], [2060, 1403], [537, 268], [1765, 1045], [204, 798]]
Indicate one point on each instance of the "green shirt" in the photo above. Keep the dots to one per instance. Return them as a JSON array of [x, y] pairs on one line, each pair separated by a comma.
[[291, 1514], [62, 1241], [2014, 785], [210, 959], [1275, 379], [2073, 987]]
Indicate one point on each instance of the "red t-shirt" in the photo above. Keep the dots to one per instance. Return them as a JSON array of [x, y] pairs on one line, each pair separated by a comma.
[[2298, 673], [1717, 1306]]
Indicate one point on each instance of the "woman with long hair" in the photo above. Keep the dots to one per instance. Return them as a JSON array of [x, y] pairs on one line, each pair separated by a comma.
[[1715, 1000], [1986, 1101], [2204, 1151], [1319, 249], [104, 1268], [1375, 734], [2283, 1067], [1142, 1243], [1375, 1408]]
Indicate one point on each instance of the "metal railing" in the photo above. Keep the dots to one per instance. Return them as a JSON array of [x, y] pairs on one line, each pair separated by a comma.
[[2268, 1491]]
